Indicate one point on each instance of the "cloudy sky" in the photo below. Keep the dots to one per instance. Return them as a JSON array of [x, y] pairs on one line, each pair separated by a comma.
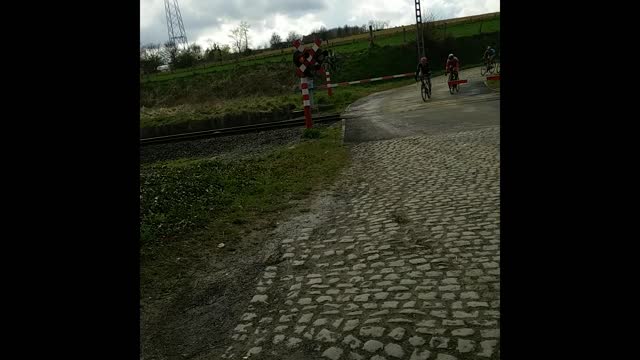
[[214, 19]]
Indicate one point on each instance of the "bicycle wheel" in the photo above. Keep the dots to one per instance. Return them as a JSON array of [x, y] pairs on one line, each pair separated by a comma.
[[429, 89], [423, 92], [451, 86], [492, 68]]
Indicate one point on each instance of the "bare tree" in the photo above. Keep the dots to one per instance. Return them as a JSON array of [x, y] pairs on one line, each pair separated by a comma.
[[244, 29], [237, 37]]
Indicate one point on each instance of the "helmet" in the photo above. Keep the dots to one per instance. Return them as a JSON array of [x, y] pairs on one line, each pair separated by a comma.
[[423, 60], [450, 56]]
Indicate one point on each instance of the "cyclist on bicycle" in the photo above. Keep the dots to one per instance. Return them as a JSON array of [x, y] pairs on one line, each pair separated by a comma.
[[423, 70], [488, 56], [452, 66]]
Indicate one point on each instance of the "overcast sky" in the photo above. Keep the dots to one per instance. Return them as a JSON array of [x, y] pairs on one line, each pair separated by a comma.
[[214, 19]]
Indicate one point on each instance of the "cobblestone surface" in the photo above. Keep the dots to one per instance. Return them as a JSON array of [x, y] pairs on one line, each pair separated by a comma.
[[406, 266]]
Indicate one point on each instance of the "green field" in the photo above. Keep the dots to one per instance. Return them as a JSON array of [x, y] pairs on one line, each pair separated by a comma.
[[393, 39]]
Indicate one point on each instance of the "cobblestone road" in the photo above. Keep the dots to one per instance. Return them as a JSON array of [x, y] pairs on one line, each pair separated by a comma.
[[404, 264]]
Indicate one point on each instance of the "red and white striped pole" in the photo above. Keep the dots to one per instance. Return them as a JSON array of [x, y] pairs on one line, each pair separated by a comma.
[[306, 103], [326, 73]]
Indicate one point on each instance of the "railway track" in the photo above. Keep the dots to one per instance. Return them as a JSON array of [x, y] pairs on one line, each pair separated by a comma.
[[235, 130]]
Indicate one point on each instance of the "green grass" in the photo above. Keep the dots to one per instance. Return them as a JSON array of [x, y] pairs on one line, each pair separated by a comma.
[[457, 30], [182, 196], [341, 98], [162, 116]]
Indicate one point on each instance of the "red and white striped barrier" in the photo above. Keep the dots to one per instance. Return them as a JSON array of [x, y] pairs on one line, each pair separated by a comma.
[[494, 77], [456, 82], [364, 81], [328, 86]]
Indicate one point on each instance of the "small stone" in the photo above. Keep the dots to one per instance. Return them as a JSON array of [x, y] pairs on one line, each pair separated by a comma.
[[439, 342], [417, 261], [293, 342], [446, 357], [321, 299], [464, 314], [398, 288], [373, 331], [305, 318], [397, 333], [278, 338], [352, 341], [242, 328], [423, 355], [427, 323], [427, 296], [332, 353], [490, 333], [361, 298], [248, 316], [390, 304], [394, 350], [448, 296], [447, 322], [440, 313], [402, 296], [469, 295], [416, 340], [399, 320], [380, 313], [487, 347], [462, 332], [477, 304], [285, 318], [409, 304], [465, 345], [254, 351], [259, 298], [350, 325], [380, 295], [373, 346], [320, 322], [281, 328], [326, 336]]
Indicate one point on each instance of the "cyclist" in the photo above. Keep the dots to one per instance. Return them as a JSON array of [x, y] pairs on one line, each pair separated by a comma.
[[452, 66], [424, 71], [488, 56]]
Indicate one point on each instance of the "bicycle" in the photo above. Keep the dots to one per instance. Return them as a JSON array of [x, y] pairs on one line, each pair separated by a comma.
[[453, 76], [487, 67], [425, 88]]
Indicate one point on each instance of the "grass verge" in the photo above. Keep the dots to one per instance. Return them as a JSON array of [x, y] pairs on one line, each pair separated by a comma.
[[182, 195]]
